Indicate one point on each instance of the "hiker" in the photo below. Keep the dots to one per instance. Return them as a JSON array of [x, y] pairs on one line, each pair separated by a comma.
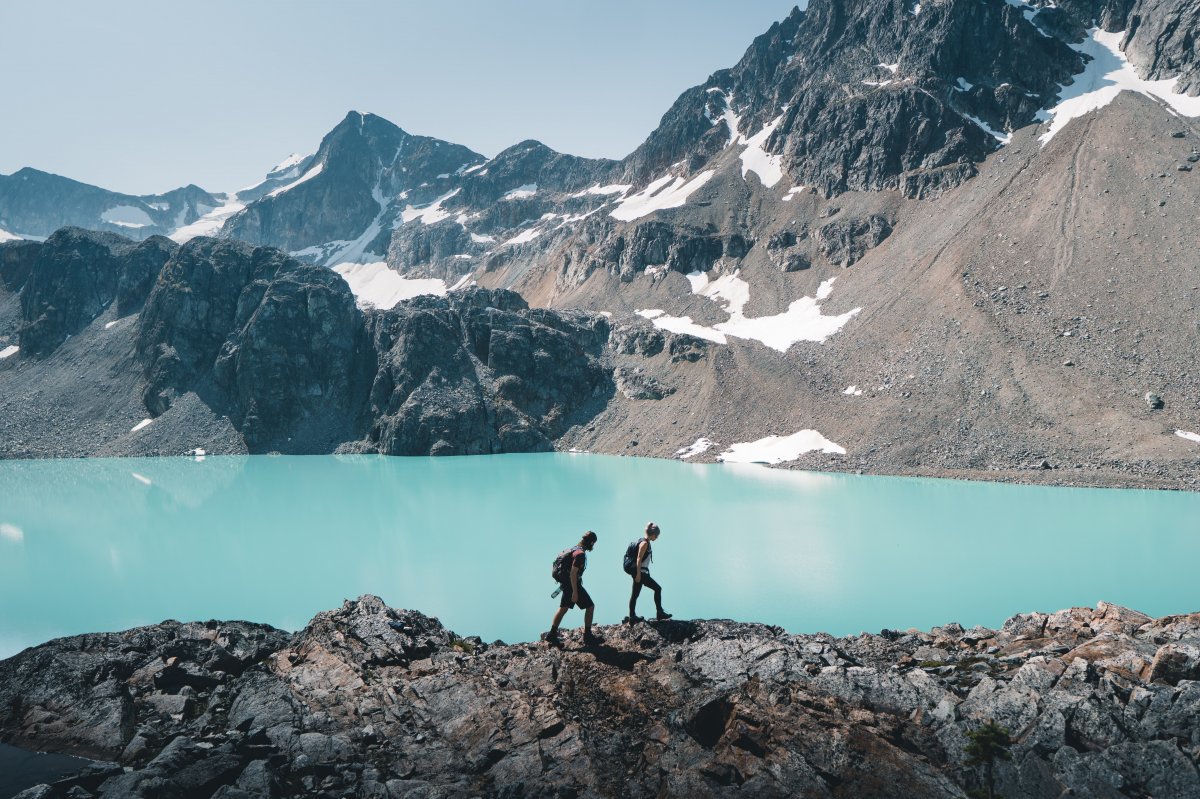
[[637, 565], [568, 571]]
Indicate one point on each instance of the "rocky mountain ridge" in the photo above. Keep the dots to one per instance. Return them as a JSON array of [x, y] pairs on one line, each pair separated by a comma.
[[372, 701], [34, 204]]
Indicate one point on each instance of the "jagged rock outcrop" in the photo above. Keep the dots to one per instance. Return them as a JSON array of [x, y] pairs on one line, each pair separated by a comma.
[[480, 373], [1160, 37], [275, 344], [373, 701], [17, 259], [76, 276]]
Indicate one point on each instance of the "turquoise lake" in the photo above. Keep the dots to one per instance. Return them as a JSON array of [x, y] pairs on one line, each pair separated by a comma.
[[91, 545]]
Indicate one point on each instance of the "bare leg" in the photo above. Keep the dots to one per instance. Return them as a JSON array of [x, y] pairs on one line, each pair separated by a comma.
[[558, 617]]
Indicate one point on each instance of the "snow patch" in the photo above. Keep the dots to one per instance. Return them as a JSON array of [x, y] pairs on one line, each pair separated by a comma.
[[523, 237], [428, 214], [1003, 138], [127, 216], [1106, 75], [478, 239], [528, 190], [210, 223], [1189, 436], [307, 176], [111, 325], [681, 324], [6, 236], [964, 85], [853, 391], [792, 192], [292, 160], [598, 190], [699, 446], [915, 10], [802, 321], [374, 285], [669, 191], [9, 351], [463, 282], [780, 449], [141, 425], [755, 159]]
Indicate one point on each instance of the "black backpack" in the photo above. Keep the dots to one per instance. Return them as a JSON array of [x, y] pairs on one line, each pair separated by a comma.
[[561, 570], [631, 556]]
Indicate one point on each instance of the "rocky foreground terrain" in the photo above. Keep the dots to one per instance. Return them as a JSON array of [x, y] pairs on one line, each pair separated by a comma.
[[377, 702]]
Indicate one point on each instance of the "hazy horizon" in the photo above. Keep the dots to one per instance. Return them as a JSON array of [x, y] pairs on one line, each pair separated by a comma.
[[145, 97]]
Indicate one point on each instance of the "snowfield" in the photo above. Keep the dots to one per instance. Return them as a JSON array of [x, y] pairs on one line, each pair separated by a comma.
[[780, 449], [1106, 75], [374, 285]]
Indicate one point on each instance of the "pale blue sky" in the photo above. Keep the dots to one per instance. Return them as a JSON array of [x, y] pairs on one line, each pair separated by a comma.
[[143, 95]]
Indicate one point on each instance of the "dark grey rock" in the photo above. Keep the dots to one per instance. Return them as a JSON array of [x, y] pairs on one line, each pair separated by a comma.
[[845, 242], [17, 259], [479, 372], [637, 385], [370, 700]]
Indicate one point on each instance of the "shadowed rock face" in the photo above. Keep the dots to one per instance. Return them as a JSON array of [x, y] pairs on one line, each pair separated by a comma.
[[17, 259], [76, 276], [373, 701], [275, 344], [481, 373]]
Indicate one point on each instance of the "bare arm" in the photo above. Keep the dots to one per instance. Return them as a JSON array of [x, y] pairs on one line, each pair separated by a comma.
[[637, 568], [574, 582]]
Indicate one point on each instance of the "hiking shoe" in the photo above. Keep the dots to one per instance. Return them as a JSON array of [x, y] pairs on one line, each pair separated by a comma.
[[632, 620], [591, 639], [663, 615], [551, 638]]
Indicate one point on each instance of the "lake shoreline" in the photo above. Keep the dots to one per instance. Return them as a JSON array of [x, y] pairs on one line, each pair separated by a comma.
[[1187, 480]]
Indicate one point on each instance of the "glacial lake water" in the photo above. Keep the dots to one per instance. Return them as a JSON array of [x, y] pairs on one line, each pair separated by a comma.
[[91, 545]]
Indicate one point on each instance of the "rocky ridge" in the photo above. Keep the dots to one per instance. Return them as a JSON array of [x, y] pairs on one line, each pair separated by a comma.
[[34, 204], [371, 701]]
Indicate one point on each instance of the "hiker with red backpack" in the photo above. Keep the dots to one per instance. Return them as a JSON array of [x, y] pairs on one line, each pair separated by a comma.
[[638, 556], [568, 573]]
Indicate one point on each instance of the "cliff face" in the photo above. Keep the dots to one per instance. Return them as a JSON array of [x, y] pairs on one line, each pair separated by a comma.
[[236, 348], [371, 701]]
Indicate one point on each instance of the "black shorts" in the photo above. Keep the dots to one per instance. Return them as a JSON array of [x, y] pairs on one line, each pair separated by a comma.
[[584, 602]]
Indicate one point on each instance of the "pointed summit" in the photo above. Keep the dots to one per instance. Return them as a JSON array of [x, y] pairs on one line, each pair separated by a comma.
[[359, 169]]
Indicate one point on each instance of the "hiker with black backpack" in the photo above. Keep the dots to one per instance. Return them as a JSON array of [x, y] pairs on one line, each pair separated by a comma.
[[638, 556], [568, 573]]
